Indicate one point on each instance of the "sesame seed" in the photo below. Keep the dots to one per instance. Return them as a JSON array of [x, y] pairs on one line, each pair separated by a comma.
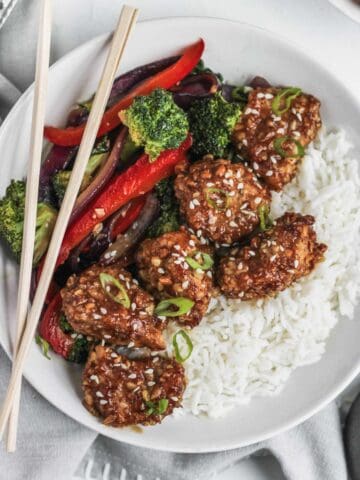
[[296, 263], [240, 186], [257, 200], [132, 375], [121, 276], [209, 274], [245, 142], [107, 336], [233, 224], [174, 399], [95, 378], [268, 96], [191, 243], [281, 131], [256, 166], [136, 389], [228, 213], [103, 310], [149, 371], [196, 202], [133, 306], [299, 116], [150, 384], [273, 158], [156, 359], [252, 253], [102, 342], [260, 95], [131, 345], [99, 212], [269, 173], [135, 281], [241, 294], [103, 402], [210, 184], [185, 284], [272, 258], [240, 266], [161, 270], [73, 335], [114, 355], [96, 316], [191, 205], [296, 133], [99, 394]]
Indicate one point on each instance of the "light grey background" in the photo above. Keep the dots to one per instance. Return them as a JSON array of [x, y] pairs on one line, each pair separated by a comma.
[[316, 25]]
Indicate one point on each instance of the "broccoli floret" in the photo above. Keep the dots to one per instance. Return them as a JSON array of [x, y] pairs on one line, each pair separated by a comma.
[[80, 350], [12, 208], [61, 179], [156, 122], [212, 121], [169, 218], [45, 223]]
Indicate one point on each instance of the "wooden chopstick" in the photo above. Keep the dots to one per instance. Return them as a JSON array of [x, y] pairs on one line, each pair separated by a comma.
[[121, 35], [31, 197]]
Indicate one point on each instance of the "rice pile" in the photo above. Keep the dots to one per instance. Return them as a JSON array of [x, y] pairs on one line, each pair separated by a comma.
[[242, 349]]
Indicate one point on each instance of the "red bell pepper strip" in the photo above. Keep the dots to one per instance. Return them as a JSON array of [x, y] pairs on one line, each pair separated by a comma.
[[165, 79], [129, 218], [137, 180], [49, 328]]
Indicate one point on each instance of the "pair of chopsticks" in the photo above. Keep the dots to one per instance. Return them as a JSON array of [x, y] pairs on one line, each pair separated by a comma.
[[30, 319]]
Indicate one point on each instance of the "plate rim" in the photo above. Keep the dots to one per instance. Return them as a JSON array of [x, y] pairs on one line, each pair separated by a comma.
[[298, 418]]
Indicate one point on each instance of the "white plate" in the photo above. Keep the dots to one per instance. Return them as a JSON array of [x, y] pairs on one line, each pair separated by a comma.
[[238, 51], [351, 8]]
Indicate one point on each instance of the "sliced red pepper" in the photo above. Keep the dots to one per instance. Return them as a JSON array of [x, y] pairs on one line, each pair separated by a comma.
[[165, 79], [49, 328], [131, 215], [137, 180]]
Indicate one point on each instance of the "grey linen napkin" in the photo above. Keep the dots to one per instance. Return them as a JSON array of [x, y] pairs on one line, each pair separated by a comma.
[[51, 445]]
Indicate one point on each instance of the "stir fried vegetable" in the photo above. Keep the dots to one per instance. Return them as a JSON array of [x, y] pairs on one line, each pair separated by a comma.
[[155, 122], [168, 220], [164, 79], [211, 123]]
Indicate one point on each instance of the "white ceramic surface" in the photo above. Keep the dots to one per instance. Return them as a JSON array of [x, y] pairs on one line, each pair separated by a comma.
[[238, 51], [351, 8]]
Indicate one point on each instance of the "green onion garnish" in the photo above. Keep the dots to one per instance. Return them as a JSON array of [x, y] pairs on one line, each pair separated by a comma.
[[181, 358], [286, 95], [157, 408], [278, 147], [266, 221], [44, 345], [217, 198], [206, 261], [108, 283], [184, 305]]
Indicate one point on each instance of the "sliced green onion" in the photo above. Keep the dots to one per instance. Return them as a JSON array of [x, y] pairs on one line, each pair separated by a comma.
[[286, 95], [109, 282], [180, 357], [266, 221], [44, 345], [206, 261], [278, 147], [157, 408], [217, 198], [184, 305]]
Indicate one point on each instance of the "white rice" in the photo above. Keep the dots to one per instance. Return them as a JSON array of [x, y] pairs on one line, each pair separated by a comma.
[[243, 349]]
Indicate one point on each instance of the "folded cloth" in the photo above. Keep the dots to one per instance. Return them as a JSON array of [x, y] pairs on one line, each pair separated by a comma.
[[51, 445]]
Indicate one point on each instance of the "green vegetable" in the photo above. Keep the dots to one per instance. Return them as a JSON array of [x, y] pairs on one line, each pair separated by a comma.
[[201, 68], [206, 261], [157, 408], [283, 100], [180, 357], [155, 122], [240, 95], [12, 208], [129, 150], [212, 121], [266, 221], [217, 198], [108, 283], [87, 104], [184, 305], [278, 147], [169, 217], [80, 350], [61, 179], [44, 345], [45, 223]]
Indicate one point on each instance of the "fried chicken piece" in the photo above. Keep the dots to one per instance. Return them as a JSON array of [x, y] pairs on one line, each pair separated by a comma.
[[166, 266], [117, 310], [128, 392], [220, 200], [268, 140], [273, 260]]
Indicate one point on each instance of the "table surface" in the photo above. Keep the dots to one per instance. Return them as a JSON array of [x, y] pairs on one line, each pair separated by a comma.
[[315, 25]]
